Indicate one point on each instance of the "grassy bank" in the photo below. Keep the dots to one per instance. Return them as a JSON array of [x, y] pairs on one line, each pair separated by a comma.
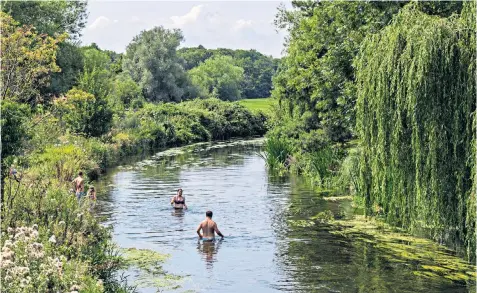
[[49, 242], [264, 105]]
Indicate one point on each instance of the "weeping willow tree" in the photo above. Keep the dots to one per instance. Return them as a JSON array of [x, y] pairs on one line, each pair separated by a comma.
[[416, 119]]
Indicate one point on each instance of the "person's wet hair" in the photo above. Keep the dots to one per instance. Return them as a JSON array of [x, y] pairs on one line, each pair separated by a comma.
[[208, 214], [80, 173]]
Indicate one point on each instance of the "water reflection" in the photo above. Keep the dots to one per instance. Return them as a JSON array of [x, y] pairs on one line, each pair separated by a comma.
[[208, 250]]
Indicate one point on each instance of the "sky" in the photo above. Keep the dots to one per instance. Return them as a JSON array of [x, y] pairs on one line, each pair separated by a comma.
[[218, 24]]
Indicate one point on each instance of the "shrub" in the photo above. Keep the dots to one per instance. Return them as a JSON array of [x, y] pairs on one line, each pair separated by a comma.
[[82, 113]]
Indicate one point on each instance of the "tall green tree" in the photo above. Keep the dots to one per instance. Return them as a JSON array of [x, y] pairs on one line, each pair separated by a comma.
[[52, 18], [258, 68], [55, 17], [315, 82], [27, 60], [151, 61], [49, 17], [219, 77], [416, 121], [96, 80], [70, 60]]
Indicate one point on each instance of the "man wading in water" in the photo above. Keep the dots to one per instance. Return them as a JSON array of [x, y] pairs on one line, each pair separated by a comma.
[[79, 186], [209, 228]]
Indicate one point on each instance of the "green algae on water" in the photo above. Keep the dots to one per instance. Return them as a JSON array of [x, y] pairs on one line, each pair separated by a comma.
[[324, 217], [431, 260], [149, 264], [145, 259]]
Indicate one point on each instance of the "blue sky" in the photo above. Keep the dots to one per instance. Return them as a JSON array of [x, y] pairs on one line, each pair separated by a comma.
[[224, 24]]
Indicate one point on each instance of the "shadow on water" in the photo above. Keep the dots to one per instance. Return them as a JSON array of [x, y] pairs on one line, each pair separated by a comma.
[[271, 245]]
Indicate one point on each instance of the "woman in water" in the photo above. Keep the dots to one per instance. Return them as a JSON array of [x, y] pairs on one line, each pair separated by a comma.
[[178, 201]]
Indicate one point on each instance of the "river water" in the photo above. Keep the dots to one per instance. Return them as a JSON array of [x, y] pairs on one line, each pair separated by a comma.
[[263, 251]]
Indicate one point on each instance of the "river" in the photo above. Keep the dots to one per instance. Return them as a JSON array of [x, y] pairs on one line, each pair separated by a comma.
[[264, 249]]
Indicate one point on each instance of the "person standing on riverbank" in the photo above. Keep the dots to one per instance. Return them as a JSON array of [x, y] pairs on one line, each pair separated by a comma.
[[209, 228], [178, 201], [79, 185]]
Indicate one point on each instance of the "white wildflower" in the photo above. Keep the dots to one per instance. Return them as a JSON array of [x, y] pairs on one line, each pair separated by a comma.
[[7, 253], [75, 288], [35, 227], [6, 263], [10, 230], [52, 239], [34, 234], [37, 246], [62, 223]]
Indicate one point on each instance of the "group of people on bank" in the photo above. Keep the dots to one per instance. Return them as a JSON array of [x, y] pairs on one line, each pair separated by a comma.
[[206, 230]]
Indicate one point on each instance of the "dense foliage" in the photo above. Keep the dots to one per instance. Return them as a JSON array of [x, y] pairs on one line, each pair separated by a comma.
[[218, 77], [27, 60], [315, 82], [152, 62], [49, 17], [416, 121], [258, 68]]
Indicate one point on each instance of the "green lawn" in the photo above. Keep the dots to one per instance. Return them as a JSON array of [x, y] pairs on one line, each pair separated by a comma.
[[264, 105]]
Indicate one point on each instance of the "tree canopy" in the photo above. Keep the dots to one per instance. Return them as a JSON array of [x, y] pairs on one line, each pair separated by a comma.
[[315, 79], [49, 17], [152, 62], [218, 77], [27, 60], [258, 68], [416, 121]]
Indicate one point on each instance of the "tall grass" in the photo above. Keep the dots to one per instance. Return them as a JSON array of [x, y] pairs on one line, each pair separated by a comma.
[[276, 153]]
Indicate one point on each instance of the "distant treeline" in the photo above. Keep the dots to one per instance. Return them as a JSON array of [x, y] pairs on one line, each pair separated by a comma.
[[258, 68]]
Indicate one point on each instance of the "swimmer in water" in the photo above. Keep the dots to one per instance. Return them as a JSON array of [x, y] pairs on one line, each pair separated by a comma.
[[178, 201], [209, 228]]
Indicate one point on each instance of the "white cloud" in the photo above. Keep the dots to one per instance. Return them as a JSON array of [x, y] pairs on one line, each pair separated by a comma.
[[242, 23], [187, 18], [100, 22]]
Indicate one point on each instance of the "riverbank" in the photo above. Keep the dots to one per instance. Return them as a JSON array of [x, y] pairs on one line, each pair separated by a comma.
[[65, 246]]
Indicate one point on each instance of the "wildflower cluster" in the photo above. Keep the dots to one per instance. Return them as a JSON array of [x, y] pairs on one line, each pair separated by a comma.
[[28, 265]]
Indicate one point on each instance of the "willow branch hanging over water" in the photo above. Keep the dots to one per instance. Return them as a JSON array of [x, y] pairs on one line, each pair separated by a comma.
[[416, 120]]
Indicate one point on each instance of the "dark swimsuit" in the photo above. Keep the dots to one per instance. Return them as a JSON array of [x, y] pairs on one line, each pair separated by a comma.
[[179, 202]]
